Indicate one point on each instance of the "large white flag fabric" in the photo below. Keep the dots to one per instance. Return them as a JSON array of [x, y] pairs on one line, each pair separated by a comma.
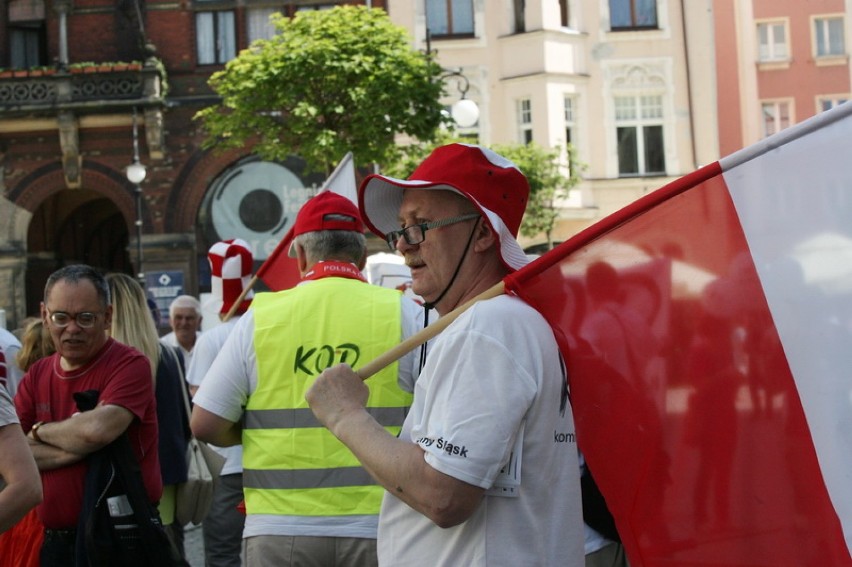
[[708, 335]]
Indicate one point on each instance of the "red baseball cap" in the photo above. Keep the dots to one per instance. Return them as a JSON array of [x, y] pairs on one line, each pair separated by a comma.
[[491, 182], [326, 211]]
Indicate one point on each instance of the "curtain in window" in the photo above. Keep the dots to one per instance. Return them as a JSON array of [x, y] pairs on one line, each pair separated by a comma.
[[259, 26], [632, 13], [462, 16], [833, 43], [646, 13], [205, 38], [226, 42], [447, 17], [437, 18]]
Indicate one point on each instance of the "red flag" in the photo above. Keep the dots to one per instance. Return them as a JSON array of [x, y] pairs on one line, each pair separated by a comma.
[[279, 271], [707, 331]]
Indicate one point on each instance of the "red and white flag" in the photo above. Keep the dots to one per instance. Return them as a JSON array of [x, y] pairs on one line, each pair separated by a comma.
[[280, 271], [708, 335]]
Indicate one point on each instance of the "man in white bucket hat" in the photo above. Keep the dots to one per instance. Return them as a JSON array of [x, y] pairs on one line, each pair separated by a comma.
[[485, 470]]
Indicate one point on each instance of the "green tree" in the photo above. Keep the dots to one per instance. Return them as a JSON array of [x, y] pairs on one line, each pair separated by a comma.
[[548, 184], [329, 82]]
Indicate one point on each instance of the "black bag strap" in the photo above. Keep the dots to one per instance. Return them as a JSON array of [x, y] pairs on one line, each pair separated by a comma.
[[595, 511]]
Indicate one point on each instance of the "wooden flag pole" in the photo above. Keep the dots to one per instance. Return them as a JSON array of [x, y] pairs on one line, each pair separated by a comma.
[[429, 332], [240, 299]]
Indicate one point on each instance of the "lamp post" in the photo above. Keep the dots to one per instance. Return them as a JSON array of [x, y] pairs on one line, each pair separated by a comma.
[[135, 173], [464, 111]]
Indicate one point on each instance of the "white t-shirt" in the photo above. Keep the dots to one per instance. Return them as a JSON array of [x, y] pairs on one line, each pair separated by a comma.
[[10, 345], [7, 410], [233, 378], [171, 340], [207, 347], [492, 395]]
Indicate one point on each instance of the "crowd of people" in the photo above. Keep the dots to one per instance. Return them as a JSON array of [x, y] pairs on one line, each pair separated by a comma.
[[460, 452]]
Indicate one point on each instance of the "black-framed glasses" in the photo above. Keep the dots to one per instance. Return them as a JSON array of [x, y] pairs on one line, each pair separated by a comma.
[[84, 319], [416, 233]]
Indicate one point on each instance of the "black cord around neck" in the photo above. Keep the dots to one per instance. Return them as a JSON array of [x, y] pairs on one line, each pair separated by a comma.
[[429, 305]]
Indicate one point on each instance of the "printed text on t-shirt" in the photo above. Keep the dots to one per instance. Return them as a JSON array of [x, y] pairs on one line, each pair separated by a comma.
[[442, 444]]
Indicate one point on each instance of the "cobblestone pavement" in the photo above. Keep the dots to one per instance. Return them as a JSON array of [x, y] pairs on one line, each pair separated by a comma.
[[193, 545]]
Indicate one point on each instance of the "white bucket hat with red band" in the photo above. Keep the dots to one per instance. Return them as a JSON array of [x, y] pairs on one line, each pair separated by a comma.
[[491, 182]]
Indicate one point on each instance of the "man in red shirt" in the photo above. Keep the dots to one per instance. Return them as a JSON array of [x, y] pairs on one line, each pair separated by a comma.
[[77, 312]]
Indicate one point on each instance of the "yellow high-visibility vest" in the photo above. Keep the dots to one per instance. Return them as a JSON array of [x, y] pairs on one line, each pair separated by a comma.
[[291, 464]]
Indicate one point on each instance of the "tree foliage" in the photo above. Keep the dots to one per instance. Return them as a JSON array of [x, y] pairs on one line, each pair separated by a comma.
[[548, 184], [329, 82]]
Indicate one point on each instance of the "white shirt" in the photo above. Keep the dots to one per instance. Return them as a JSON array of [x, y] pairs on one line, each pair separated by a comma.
[[10, 345], [171, 340], [207, 347], [490, 395]]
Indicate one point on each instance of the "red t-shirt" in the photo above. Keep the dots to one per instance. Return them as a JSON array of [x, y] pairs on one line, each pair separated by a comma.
[[122, 375]]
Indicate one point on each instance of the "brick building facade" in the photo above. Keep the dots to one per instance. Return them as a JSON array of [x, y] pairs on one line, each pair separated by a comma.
[[67, 135]]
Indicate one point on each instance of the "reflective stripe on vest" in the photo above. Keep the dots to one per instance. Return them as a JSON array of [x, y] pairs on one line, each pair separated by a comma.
[[292, 465]]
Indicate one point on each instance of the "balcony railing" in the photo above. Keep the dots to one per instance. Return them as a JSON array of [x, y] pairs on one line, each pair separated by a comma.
[[95, 87]]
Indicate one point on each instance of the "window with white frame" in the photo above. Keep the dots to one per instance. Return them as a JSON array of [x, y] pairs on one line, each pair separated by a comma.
[[776, 116], [258, 24], [828, 37], [632, 14], [772, 41], [524, 116], [639, 134], [828, 102], [570, 124], [215, 37], [449, 17]]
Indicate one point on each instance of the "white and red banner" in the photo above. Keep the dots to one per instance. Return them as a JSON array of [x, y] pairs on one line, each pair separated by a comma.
[[708, 335]]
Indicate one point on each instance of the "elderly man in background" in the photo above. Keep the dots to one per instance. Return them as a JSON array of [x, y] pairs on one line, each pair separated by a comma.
[[185, 320]]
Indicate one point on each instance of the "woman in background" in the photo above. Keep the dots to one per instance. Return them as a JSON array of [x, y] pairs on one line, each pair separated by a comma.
[[133, 325], [35, 344]]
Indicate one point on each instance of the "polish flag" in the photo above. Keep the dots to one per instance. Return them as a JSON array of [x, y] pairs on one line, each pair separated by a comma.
[[707, 330]]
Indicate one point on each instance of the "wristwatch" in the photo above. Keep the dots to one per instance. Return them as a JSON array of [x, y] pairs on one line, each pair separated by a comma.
[[34, 431]]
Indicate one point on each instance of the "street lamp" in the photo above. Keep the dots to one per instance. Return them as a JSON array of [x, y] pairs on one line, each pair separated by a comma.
[[135, 173], [464, 111]]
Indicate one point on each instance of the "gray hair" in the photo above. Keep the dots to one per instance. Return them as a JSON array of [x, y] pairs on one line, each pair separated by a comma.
[[76, 273], [183, 301], [341, 245]]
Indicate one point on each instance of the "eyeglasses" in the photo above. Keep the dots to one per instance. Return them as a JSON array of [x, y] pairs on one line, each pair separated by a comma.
[[416, 233], [84, 319]]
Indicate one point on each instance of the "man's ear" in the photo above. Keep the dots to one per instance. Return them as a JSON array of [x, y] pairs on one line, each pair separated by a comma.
[[363, 261], [485, 237], [108, 317], [301, 258]]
